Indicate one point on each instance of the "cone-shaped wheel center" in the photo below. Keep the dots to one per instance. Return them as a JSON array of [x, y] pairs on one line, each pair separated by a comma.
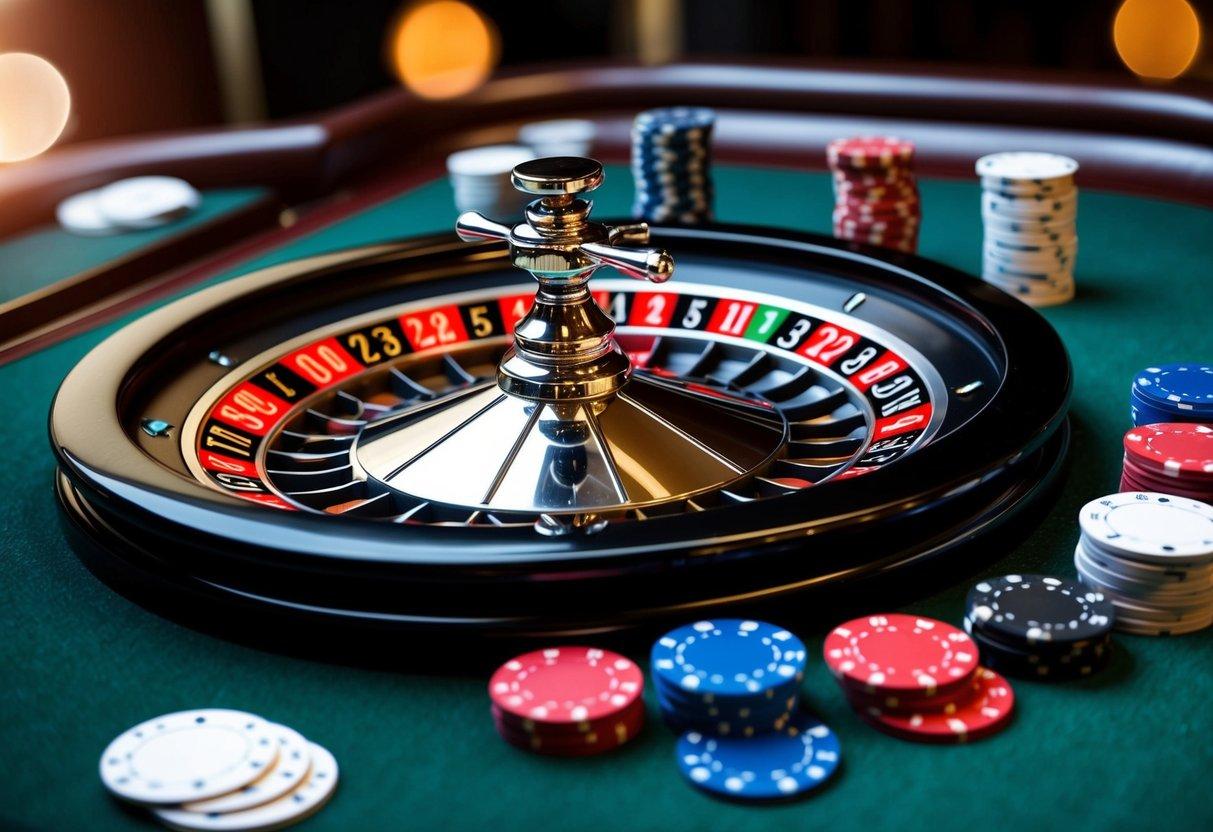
[[656, 441]]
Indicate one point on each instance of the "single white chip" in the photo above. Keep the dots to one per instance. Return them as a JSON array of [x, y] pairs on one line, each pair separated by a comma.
[[1148, 526], [1027, 165], [188, 755], [292, 767], [492, 161], [307, 799], [82, 214], [148, 201]]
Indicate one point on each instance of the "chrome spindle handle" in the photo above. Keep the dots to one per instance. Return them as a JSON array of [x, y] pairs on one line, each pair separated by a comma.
[[564, 348]]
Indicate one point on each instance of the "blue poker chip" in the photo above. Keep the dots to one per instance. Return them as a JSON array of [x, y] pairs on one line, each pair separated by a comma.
[[767, 707], [723, 720], [676, 118], [779, 764], [727, 657], [1176, 388], [1144, 414]]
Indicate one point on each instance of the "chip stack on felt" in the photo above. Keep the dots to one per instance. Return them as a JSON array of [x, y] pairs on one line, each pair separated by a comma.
[[1040, 627], [672, 165], [731, 687], [917, 679], [1172, 393], [568, 701], [217, 769], [875, 196], [1151, 555], [1029, 206]]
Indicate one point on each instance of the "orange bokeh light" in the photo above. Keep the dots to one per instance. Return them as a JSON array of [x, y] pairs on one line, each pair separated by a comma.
[[34, 105], [1156, 38], [443, 48]]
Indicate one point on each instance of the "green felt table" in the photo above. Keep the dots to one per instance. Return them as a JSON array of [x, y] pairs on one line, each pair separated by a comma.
[[1127, 749]]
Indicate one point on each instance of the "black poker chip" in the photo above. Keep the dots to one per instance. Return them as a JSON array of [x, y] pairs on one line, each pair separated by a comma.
[[1039, 609], [1054, 665]]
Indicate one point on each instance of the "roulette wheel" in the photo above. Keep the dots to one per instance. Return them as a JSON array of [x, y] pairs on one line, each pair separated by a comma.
[[410, 437]]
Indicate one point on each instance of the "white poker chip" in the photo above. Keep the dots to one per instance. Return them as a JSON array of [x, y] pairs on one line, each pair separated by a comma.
[[147, 201], [292, 767], [1148, 526], [1156, 573], [82, 214], [1165, 591], [1028, 209], [188, 755], [1027, 187], [301, 803], [1138, 627], [1026, 165]]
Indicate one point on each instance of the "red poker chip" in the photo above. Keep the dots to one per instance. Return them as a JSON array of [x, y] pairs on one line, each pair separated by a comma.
[[1134, 480], [873, 233], [884, 203], [895, 190], [880, 222], [987, 711], [566, 685], [896, 653], [1153, 475], [893, 225], [875, 229], [609, 734], [855, 214], [877, 204], [895, 703], [566, 730], [862, 152], [1174, 449], [891, 178]]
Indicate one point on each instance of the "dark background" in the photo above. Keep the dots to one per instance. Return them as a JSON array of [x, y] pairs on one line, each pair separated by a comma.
[[142, 65], [1062, 34]]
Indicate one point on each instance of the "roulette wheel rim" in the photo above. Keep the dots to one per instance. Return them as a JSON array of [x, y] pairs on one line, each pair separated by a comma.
[[146, 526]]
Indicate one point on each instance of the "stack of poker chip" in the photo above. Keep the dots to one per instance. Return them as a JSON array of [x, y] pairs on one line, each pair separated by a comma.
[[672, 165], [917, 678], [1172, 393], [1151, 555], [480, 179], [875, 195], [1029, 205], [1171, 458], [568, 701], [728, 676], [1040, 627], [731, 688], [219, 769]]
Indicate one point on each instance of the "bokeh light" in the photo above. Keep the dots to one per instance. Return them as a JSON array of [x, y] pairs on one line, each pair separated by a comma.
[[1157, 38], [34, 105], [443, 48]]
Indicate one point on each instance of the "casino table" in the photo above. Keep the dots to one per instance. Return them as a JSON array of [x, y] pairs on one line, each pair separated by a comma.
[[410, 723]]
